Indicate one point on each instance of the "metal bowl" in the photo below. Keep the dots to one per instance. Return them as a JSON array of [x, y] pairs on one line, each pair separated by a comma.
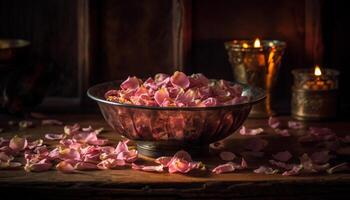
[[160, 131]]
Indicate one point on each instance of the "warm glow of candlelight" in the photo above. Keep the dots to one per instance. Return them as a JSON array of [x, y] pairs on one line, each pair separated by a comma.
[[257, 43], [317, 71], [245, 45]]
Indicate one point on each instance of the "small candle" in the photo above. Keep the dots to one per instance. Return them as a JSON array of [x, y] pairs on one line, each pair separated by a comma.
[[318, 82], [314, 93]]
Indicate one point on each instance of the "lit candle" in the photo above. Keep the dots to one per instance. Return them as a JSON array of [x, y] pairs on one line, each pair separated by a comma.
[[314, 94], [318, 82]]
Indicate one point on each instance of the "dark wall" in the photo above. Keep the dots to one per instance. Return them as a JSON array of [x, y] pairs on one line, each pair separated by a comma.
[[132, 38], [51, 27]]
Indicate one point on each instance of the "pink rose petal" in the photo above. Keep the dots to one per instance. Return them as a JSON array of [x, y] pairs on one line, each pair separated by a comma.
[[256, 144], [131, 83], [54, 136], [65, 167], [85, 166], [224, 168], [35, 143], [67, 153], [5, 158], [282, 164], [179, 79], [266, 170], [247, 131], [282, 132], [161, 96], [227, 156], [42, 165], [283, 156], [294, 171], [18, 143], [295, 125], [164, 160], [87, 129], [156, 168], [320, 157], [310, 166], [69, 130], [274, 122], [111, 163]]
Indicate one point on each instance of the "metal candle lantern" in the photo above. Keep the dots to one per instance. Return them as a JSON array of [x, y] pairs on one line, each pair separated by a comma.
[[314, 94], [256, 63]]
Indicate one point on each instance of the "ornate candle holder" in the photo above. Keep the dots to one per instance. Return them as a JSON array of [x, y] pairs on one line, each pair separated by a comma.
[[256, 63], [314, 94]]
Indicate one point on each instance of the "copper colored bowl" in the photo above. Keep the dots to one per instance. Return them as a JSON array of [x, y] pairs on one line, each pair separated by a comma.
[[161, 131]]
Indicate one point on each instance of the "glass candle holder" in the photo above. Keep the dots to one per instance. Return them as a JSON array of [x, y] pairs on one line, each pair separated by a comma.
[[314, 94], [257, 63]]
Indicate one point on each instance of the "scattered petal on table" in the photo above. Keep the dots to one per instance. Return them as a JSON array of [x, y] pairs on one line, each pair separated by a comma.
[[283, 156], [266, 170], [282, 132], [320, 157], [256, 144], [295, 125], [294, 171], [227, 155], [153, 168], [247, 131], [274, 122], [65, 167]]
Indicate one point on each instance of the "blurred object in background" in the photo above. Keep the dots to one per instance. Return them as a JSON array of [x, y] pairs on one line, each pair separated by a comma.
[[24, 78]]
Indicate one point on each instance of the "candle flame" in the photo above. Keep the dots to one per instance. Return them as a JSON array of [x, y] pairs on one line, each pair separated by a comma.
[[257, 43], [245, 45], [317, 71]]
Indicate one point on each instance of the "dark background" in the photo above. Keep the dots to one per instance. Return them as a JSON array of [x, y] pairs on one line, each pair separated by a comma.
[[93, 41]]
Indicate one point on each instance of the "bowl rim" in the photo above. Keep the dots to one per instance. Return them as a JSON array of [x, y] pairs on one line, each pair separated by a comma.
[[258, 99]]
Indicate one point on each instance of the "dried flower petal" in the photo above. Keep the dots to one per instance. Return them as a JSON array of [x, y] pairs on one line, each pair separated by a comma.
[[179, 79], [227, 156], [156, 168], [295, 125], [294, 171], [18, 143], [131, 83], [282, 132], [85, 166], [68, 130], [111, 163], [247, 131], [65, 167], [274, 122], [256, 144], [283, 156], [320, 157], [266, 170], [54, 136]]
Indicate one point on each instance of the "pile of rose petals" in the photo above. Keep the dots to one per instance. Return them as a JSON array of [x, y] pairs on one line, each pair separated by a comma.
[[178, 90]]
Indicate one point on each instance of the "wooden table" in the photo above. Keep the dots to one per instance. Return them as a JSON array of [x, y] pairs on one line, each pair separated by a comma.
[[126, 183]]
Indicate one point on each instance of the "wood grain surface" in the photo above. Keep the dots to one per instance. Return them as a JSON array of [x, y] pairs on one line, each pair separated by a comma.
[[126, 183]]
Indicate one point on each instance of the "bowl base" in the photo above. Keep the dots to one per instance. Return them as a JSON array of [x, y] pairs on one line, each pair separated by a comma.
[[169, 148]]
